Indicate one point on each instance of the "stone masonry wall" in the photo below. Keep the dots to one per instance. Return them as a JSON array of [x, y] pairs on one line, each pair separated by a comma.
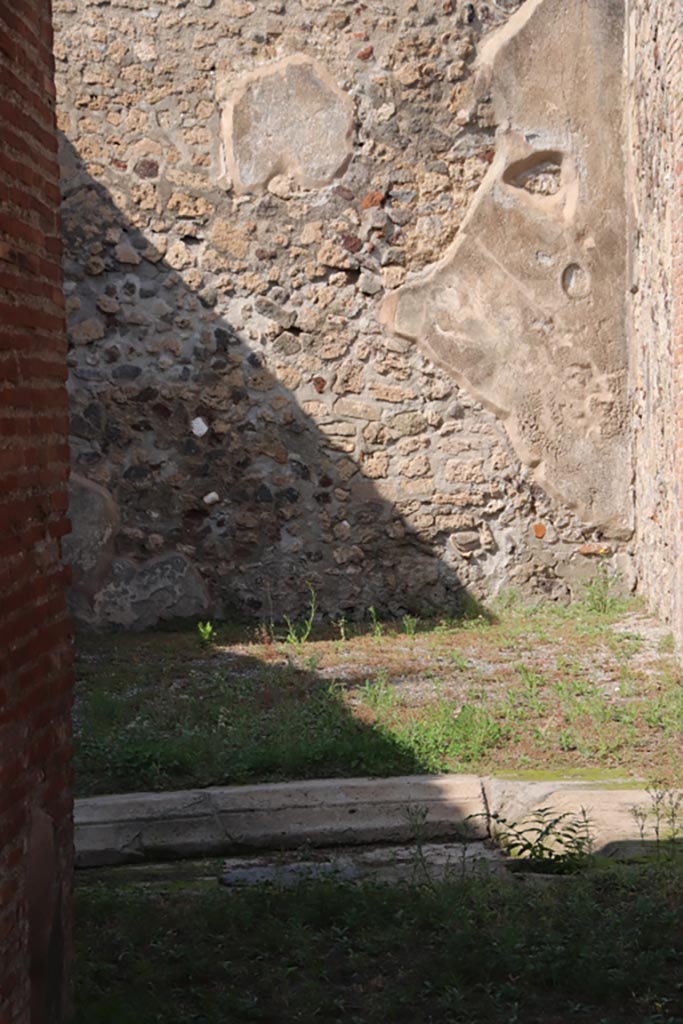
[[35, 651], [654, 186], [243, 185]]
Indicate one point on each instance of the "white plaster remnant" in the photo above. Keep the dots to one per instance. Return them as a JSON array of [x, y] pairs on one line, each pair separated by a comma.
[[199, 427], [287, 119], [526, 309]]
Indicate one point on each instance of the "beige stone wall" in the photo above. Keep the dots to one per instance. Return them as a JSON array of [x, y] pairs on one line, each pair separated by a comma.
[[242, 422], [655, 83]]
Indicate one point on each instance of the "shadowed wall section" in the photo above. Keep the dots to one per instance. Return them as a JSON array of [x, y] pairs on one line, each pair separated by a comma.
[[35, 651]]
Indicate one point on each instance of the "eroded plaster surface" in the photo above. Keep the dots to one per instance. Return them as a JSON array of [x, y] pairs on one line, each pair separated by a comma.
[[288, 118], [526, 310]]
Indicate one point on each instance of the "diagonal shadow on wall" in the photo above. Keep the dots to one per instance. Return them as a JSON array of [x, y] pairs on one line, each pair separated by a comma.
[[201, 486]]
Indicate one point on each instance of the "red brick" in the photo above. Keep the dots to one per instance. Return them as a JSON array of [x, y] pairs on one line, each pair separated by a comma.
[[35, 674]]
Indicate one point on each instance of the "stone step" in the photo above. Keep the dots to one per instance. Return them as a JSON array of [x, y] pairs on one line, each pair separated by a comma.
[[135, 827]]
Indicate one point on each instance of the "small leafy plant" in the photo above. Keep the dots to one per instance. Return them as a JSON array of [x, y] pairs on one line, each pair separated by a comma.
[[298, 633], [664, 818], [376, 627], [410, 624], [600, 595], [206, 631], [341, 626], [549, 841]]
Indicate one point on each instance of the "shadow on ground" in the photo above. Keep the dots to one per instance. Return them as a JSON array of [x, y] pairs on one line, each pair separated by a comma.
[[603, 947], [218, 719]]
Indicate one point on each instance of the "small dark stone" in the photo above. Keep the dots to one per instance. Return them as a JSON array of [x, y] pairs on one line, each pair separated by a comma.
[[134, 473], [126, 372], [263, 495], [80, 427], [95, 414], [146, 395], [88, 458], [300, 470], [287, 495], [352, 243], [224, 337], [147, 168]]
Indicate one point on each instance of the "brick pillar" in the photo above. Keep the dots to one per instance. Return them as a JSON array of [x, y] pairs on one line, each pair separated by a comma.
[[35, 642]]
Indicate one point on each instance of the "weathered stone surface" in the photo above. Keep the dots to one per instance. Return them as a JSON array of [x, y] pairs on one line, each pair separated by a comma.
[[340, 812], [287, 117], [89, 548], [609, 810], [325, 812], [139, 596], [380, 864], [526, 310], [654, 139]]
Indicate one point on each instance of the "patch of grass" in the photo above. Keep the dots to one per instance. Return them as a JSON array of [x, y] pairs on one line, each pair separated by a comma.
[[667, 644], [546, 688], [445, 737], [606, 946], [379, 695]]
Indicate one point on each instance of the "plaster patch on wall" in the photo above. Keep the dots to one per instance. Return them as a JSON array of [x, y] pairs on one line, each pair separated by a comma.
[[527, 308], [287, 118]]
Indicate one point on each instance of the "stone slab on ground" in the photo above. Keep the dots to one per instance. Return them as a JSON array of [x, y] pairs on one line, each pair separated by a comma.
[[134, 827], [609, 810], [412, 863], [329, 812]]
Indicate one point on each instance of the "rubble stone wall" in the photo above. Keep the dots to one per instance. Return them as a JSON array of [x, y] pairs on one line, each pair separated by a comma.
[[244, 185], [35, 648], [654, 185]]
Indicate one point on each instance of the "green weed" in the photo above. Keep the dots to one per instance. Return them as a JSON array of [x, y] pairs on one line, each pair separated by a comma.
[[298, 633], [376, 628], [548, 840], [458, 660], [410, 624], [601, 596], [206, 632], [379, 695]]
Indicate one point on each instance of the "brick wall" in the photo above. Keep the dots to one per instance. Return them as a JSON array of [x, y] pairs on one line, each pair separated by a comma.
[[35, 648], [654, 187]]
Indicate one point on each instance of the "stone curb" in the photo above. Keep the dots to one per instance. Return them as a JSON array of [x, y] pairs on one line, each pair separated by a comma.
[[134, 827]]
